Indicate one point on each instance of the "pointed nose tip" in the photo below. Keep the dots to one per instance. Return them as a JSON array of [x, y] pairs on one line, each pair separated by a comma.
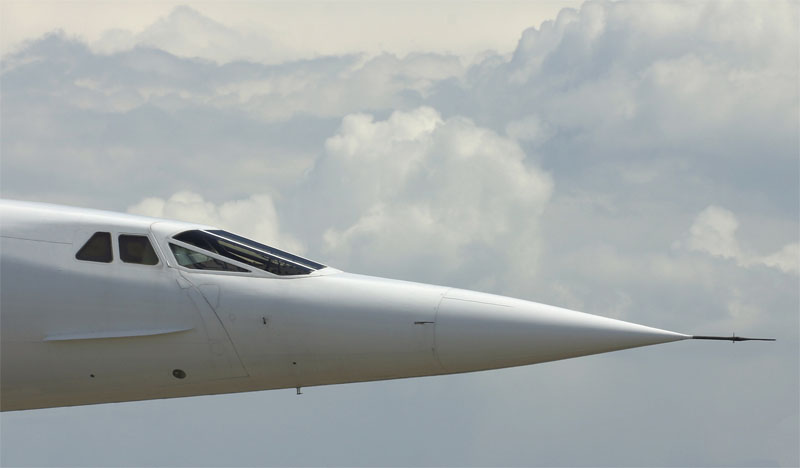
[[477, 331]]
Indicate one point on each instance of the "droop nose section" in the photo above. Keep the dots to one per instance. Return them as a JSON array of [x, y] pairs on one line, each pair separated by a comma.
[[477, 331]]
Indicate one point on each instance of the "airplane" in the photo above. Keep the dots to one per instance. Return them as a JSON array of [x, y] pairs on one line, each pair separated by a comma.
[[101, 307]]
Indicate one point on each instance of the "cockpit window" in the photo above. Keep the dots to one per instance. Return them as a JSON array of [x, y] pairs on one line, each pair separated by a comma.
[[250, 253], [97, 248], [200, 261], [136, 249], [265, 248]]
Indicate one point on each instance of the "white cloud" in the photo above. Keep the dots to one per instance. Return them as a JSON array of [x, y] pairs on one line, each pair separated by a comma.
[[563, 175], [251, 30], [417, 192], [253, 217], [714, 232], [185, 32], [786, 259]]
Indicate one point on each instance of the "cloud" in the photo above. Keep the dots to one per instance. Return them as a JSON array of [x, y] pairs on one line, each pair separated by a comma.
[[530, 128], [273, 31], [714, 232], [187, 33], [63, 69], [253, 217], [586, 170], [630, 107], [182, 31], [620, 83], [425, 196]]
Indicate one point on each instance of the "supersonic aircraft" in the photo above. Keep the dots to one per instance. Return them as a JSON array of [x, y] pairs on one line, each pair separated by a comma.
[[100, 307]]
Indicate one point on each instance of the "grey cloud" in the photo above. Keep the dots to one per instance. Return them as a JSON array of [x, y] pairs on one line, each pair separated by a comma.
[[570, 173], [68, 110], [168, 119], [711, 86]]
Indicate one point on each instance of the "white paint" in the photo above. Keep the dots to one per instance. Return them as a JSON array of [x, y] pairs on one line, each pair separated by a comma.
[[77, 332]]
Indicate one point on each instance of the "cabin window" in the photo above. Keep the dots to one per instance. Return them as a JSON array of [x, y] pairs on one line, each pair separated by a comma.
[[250, 253], [96, 249], [199, 261], [136, 249]]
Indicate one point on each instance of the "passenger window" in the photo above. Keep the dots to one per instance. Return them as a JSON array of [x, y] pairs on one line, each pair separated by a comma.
[[96, 249], [199, 261], [136, 249]]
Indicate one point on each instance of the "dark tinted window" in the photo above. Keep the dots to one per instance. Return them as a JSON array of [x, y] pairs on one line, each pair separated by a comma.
[[136, 249], [97, 248], [200, 261], [265, 248], [242, 253]]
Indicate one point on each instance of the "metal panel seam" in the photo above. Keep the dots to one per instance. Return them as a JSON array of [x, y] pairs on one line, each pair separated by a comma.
[[435, 325]]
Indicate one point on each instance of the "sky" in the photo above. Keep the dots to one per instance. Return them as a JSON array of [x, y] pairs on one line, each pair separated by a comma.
[[635, 160]]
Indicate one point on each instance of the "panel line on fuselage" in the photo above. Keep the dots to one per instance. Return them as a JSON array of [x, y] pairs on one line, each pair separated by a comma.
[[35, 240]]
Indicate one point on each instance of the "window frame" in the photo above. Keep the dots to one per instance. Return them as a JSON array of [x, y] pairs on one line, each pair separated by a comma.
[[153, 245], [250, 271], [85, 242], [249, 267], [267, 249]]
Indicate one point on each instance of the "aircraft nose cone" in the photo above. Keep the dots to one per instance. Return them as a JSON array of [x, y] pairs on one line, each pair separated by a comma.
[[476, 331]]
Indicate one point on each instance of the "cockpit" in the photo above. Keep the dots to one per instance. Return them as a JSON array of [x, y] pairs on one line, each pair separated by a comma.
[[244, 251], [200, 249]]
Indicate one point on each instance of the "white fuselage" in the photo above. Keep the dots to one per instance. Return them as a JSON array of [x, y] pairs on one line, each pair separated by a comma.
[[80, 332]]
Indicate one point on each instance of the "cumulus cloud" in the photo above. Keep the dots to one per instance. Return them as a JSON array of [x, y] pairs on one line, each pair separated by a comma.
[[563, 174], [146, 75], [709, 87], [714, 232], [627, 103], [423, 195], [253, 217]]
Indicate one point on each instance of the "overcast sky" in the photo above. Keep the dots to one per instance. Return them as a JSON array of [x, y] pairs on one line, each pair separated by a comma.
[[636, 160]]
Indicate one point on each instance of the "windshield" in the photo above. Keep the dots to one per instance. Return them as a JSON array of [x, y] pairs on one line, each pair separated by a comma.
[[268, 249], [199, 261], [249, 252]]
